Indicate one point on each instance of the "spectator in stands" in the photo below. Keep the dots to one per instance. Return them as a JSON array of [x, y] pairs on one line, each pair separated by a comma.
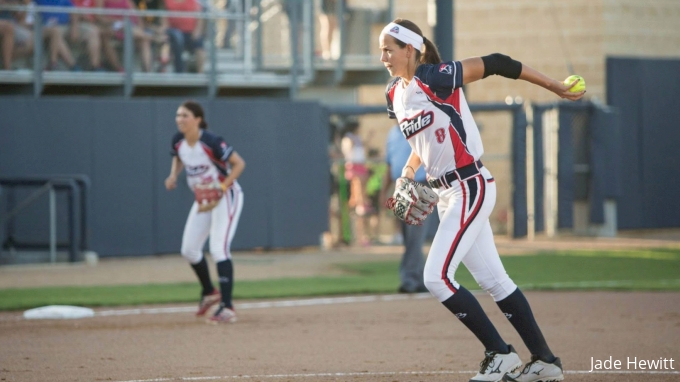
[[7, 36], [23, 36], [328, 25], [185, 33], [114, 27], [153, 25], [294, 9], [82, 30], [19, 26], [356, 173], [233, 7], [56, 25]]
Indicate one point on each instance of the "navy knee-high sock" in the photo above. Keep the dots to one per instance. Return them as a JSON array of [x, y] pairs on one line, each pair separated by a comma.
[[466, 307], [201, 270], [225, 270], [516, 308]]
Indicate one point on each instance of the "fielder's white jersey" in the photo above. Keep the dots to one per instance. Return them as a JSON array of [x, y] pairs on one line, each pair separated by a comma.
[[435, 118], [206, 161]]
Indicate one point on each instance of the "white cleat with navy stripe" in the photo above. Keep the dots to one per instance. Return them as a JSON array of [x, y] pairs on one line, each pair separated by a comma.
[[495, 366], [538, 371]]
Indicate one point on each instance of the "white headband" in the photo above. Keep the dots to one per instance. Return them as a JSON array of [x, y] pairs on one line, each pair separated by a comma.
[[404, 35]]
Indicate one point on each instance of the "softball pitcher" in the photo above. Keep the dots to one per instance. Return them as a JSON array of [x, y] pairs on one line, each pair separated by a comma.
[[427, 100], [212, 167]]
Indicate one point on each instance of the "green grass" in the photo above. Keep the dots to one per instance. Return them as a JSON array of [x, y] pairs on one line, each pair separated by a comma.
[[567, 270]]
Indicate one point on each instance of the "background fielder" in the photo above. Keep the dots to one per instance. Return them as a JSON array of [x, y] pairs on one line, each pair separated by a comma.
[[208, 160]]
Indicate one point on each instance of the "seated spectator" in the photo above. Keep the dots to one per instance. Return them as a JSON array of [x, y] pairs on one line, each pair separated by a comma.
[[23, 37], [154, 25], [185, 33], [6, 38], [55, 26], [84, 29], [328, 26], [22, 42], [113, 27], [233, 27], [15, 38]]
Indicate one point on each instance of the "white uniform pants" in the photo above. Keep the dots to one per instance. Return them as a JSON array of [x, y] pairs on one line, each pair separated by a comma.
[[220, 223], [465, 235]]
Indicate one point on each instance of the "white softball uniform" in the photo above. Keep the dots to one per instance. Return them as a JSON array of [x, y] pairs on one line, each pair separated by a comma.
[[435, 119], [205, 162]]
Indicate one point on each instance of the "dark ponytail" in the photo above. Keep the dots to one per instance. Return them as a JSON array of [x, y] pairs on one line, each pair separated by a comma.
[[430, 55], [196, 109]]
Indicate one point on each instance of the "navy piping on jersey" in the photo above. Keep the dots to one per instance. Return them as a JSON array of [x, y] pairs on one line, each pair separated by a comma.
[[455, 125], [389, 94]]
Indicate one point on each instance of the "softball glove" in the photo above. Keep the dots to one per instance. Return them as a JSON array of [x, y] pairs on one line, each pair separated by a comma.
[[208, 195], [412, 201]]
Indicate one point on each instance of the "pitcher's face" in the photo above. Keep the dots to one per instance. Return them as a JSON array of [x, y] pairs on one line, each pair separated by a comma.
[[394, 57]]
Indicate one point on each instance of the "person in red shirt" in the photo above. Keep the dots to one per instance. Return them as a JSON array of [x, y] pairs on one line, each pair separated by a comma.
[[185, 33]]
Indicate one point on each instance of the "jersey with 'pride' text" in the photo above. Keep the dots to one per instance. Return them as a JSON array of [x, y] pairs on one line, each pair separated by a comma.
[[434, 117]]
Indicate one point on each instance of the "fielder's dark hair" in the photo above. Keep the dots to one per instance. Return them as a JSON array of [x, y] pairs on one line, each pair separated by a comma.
[[430, 54], [196, 109]]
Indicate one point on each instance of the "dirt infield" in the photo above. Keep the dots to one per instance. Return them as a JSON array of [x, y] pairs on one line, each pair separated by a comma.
[[396, 339], [404, 340]]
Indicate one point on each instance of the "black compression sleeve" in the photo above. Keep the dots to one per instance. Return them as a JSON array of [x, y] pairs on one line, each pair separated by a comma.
[[502, 65]]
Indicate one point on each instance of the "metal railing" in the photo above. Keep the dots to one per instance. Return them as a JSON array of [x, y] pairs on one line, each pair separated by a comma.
[[211, 78], [257, 62], [77, 190]]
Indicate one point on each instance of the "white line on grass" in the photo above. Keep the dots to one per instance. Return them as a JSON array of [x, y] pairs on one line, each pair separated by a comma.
[[374, 374]]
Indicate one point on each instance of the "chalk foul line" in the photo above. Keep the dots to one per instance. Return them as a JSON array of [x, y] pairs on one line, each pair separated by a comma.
[[379, 373]]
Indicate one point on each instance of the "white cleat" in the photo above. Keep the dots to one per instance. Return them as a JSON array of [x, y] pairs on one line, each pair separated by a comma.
[[538, 371], [496, 365], [207, 301], [223, 315]]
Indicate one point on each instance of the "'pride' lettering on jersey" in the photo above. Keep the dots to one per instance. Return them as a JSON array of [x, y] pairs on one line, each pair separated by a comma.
[[412, 126], [196, 170]]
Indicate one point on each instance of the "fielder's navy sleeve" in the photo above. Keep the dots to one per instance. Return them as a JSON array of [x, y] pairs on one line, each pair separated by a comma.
[[176, 141], [223, 150], [219, 149], [442, 78]]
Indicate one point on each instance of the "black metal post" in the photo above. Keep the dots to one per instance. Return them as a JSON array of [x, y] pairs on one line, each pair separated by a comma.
[[212, 75], [340, 62], [443, 31], [539, 176], [294, 23], [519, 172], [128, 56], [37, 55]]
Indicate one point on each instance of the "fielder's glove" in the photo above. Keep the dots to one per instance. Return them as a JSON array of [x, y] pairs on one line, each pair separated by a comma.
[[412, 201], [208, 195]]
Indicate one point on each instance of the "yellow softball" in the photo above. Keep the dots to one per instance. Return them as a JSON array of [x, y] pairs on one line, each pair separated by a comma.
[[580, 85]]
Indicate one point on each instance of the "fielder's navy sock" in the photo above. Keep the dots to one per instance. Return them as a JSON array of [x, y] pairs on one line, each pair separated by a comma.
[[516, 308], [225, 270], [201, 269], [466, 307]]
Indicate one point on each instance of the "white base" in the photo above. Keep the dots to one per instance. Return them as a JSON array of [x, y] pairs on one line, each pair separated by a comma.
[[58, 312]]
